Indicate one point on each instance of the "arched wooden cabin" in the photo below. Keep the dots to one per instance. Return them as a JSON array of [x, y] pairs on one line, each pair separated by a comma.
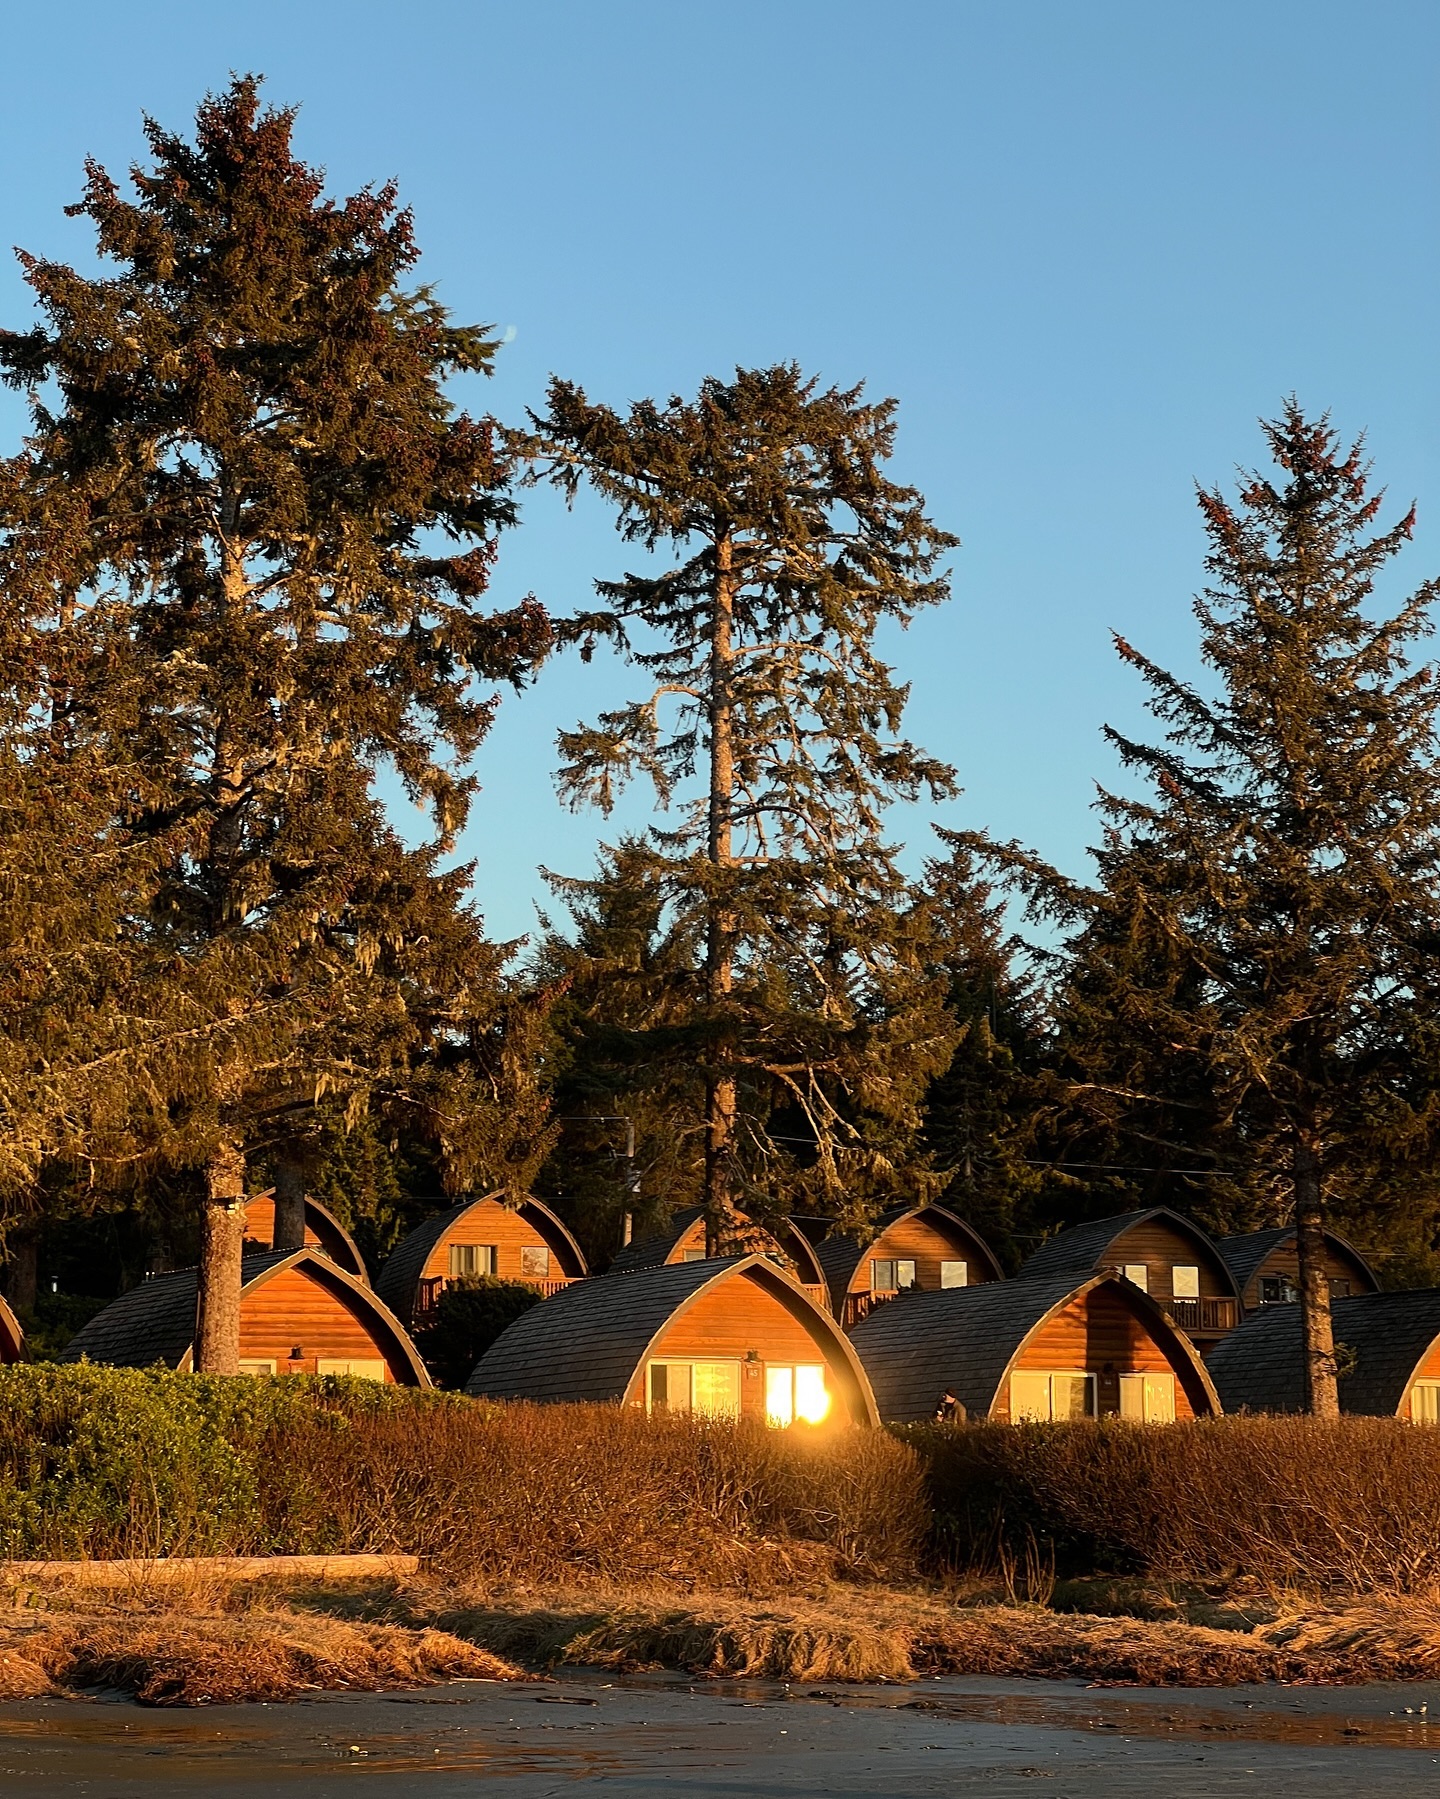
[[479, 1236], [12, 1337], [1162, 1252], [1040, 1348], [323, 1230], [1266, 1266], [683, 1240], [923, 1248], [1392, 1365], [728, 1337], [299, 1314]]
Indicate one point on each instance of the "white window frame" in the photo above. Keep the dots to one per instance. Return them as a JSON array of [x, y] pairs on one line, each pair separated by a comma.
[[259, 1366], [1138, 1275], [948, 1269], [671, 1363], [1431, 1391], [1140, 1385], [1050, 1376], [1191, 1273], [363, 1367], [486, 1254], [533, 1250]]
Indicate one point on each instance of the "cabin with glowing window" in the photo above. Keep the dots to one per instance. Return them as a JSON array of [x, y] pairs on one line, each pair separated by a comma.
[[1266, 1266], [526, 1243], [1163, 1253], [323, 1231], [12, 1337], [728, 1337], [1390, 1364], [683, 1240], [920, 1248], [299, 1314], [1041, 1349]]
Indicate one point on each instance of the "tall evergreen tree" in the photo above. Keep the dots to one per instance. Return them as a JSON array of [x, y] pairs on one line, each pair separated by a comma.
[[1260, 947], [270, 505], [793, 549]]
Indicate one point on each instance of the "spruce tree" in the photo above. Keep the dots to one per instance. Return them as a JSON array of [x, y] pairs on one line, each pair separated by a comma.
[[242, 436], [773, 727], [1259, 949]]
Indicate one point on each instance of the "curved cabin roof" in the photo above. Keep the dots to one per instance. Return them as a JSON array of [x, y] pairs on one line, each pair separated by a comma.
[[1260, 1366], [1247, 1255], [12, 1337], [321, 1223], [155, 1322], [589, 1341], [656, 1250], [969, 1338], [1084, 1248], [399, 1279], [840, 1257]]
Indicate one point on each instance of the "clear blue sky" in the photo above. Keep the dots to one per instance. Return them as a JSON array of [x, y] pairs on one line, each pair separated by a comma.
[[1084, 245]]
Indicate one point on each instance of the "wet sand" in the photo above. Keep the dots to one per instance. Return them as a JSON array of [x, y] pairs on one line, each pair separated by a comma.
[[733, 1740]]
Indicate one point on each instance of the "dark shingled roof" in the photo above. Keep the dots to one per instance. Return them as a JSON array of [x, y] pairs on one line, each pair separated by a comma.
[[335, 1240], [1259, 1367], [840, 1256], [399, 1280], [651, 1251], [1245, 1254], [1082, 1249], [585, 1344], [965, 1338], [155, 1322]]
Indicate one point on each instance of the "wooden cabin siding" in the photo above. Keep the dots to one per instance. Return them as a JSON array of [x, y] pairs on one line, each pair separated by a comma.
[[260, 1224], [1427, 1369], [1098, 1334], [732, 1322], [509, 1231], [915, 1239], [293, 1310], [1160, 1246], [1284, 1261], [693, 1238]]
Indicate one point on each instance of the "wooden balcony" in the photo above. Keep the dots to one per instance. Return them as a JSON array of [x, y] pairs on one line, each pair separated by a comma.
[[1203, 1317], [861, 1305], [427, 1296]]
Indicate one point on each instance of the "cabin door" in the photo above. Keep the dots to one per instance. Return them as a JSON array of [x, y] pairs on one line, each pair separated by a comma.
[[1148, 1398]]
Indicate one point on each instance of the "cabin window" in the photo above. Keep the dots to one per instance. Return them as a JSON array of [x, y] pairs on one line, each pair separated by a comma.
[[257, 1367], [1425, 1402], [890, 1276], [471, 1258], [1138, 1275], [1148, 1398], [1277, 1290], [1046, 1397], [692, 1255], [954, 1274], [1339, 1289], [792, 1393], [534, 1262], [711, 1389], [370, 1368], [1185, 1281]]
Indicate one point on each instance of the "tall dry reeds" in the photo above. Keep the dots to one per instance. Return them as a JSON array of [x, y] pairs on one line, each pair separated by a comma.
[[1351, 1506]]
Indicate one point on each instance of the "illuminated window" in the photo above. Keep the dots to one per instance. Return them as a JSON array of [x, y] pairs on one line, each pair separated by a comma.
[[954, 1274], [1148, 1398], [257, 1367], [534, 1262], [471, 1258], [792, 1393], [1185, 1282], [692, 1255], [1138, 1275], [711, 1389], [1045, 1397], [890, 1276], [370, 1369], [1425, 1402]]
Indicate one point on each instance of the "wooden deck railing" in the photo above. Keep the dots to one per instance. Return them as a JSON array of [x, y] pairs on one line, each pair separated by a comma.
[[861, 1305], [428, 1294], [1203, 1314]]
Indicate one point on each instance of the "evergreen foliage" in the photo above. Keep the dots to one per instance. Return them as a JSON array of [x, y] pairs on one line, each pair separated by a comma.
[[246, 546], [772, 727], [471, 1315]]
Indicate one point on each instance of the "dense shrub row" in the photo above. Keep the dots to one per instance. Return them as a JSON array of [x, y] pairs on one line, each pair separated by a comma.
[[1349, 1506], [99, 1461]]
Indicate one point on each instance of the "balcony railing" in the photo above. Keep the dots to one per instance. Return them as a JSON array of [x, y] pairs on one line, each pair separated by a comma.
[[1203, 1314], [861, 1305], [427, 1296]]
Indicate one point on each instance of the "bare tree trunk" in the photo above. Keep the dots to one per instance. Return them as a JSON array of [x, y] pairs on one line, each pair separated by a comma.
[[1317, 1335], [289, 1206], [217, 1320], [22, 1274], [720, 1094]]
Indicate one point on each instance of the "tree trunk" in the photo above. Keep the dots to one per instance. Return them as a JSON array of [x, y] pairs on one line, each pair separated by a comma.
[[720, 1093], [217, 1319], [289, 1206], [1316, 1331], [22, 1274]]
